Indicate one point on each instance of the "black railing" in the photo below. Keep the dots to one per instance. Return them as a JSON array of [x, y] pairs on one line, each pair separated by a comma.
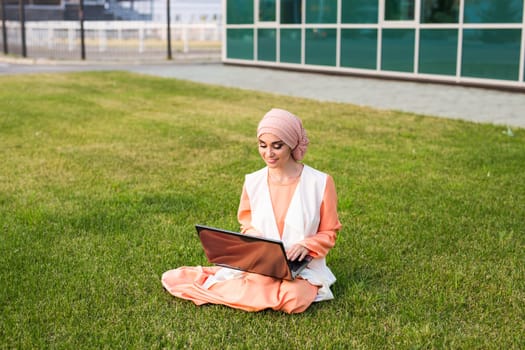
[[87, 37], [4, 29]]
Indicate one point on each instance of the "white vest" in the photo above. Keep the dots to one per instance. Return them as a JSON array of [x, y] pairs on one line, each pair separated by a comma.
[[301, 221]]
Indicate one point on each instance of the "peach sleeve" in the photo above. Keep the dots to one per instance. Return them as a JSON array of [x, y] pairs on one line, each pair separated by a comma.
[[329, 225], [324, 239], [244, 214]]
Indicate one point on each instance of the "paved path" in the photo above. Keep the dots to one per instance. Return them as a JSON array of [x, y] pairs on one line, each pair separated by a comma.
[[467, 103]]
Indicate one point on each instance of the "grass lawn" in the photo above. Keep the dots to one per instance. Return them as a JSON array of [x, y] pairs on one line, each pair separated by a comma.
[[103, 175]]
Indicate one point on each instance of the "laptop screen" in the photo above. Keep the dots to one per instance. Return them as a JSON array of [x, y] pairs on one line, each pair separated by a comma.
[[245, 252]]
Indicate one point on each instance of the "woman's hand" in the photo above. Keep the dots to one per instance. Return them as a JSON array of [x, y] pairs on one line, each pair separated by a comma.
[[297, 252]]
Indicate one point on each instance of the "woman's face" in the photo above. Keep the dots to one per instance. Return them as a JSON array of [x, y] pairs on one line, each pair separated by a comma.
[[274, 151]]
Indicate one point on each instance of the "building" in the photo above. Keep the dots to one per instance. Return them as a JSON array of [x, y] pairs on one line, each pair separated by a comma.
[[182, 11], [479, 42], [68, 10], [188, 11]]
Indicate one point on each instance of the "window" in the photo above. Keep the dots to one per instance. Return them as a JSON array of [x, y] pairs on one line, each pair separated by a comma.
[[291, 12], [439, 11], [359, 48], [359, 11], [267, 10], [399, 10], [290, 45], [239, 11], [493, 11], [438, 51], [491, 53], [46, 2], [398, 50], [240, 43], [320, 46], [321, 11], [266, 45]]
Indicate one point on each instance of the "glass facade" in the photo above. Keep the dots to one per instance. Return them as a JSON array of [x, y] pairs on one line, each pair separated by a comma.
[[291, 11], [441, 11], [321, 46], [239, 11], [267, 10], [493, 11], [491, 53], [398, 50], [359, 11], [359, 48], [290, 47], [399, 10], [240, 43], [266, 44], [477, 41], [321, 11], [438, 51]]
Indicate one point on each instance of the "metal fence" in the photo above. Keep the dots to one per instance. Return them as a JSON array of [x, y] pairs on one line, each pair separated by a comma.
[[111, 40]]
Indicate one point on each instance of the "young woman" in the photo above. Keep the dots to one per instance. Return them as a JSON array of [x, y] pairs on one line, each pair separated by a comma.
[[285, 200]]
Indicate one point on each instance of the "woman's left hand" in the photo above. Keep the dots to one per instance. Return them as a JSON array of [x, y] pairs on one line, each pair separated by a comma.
[[297, 252]]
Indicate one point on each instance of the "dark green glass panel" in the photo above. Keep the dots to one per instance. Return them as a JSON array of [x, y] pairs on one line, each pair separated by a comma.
[[321, 11], [399, 10], [239, 11], [239, 43], [359, 48], [320, 47], [438, 51], [291, 11], [491, 53], [267, 10], [493, 11], [439, 11], [290, 45], [266, 44], [359, 11], [398, 50]]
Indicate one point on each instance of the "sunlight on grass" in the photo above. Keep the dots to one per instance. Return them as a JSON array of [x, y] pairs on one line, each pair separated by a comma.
[[103, 176]]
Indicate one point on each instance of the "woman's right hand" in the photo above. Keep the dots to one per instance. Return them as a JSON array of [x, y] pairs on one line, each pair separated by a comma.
[[297, 252]]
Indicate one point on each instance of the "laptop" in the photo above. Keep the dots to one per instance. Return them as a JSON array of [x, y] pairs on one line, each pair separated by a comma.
[[249, 253]]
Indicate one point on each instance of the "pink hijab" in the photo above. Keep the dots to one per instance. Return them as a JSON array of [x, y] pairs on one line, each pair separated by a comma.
[[288, 128]]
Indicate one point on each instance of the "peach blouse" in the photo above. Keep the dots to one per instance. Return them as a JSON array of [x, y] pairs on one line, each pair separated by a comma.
[[281, 196]]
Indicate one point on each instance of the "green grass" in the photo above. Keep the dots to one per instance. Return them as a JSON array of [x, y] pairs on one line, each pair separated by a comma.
[[103, 175]]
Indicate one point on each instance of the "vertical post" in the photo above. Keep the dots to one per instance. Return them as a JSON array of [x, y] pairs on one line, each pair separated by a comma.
[[168, 20], [102, 43], [185, 39], [82, 36], [71, 38], [50, 37], [141, 38], [22, 12], [4, 29]]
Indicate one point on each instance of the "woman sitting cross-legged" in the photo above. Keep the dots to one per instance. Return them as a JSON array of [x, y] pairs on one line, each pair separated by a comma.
[[286, 200]]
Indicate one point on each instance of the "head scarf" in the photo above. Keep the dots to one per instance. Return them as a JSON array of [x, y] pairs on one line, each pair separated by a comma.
[[288, 128]]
